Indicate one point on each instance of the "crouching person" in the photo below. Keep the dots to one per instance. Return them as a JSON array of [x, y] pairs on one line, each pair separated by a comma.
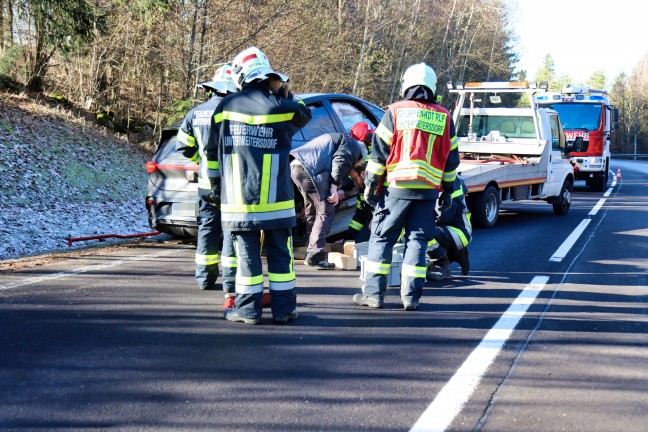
[[318, 169], [451, 237]]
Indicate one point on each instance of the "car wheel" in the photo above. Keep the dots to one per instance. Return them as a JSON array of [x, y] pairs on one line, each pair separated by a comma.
[[563, 202], [485, 208]]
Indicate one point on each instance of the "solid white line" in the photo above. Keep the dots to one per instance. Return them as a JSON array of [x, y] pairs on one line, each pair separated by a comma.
[[564, 248], [34, 280], [454, 395], [597, 207]]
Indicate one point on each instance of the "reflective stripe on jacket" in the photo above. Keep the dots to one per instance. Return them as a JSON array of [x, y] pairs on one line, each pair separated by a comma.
[[192, 137], [251, 137], [416, 146]]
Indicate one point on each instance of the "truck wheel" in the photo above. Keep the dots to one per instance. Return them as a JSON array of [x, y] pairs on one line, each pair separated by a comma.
[[485, 208], [563, 202]]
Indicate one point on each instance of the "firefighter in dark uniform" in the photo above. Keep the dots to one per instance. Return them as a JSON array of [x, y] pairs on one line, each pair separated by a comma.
[[191, 140], [451, 237], [251, 136], [413, 156], [359, 224]]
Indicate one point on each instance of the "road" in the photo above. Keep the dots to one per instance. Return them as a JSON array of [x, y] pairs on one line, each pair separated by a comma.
[[548, 332]]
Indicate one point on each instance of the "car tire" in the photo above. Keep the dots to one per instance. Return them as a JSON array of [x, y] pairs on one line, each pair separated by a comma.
[[485, 208]]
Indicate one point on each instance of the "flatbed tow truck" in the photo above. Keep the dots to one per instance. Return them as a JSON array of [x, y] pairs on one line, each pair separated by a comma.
[[510, 153]]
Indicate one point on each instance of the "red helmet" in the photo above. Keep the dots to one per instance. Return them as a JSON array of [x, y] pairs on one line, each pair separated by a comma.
[[362, 132]]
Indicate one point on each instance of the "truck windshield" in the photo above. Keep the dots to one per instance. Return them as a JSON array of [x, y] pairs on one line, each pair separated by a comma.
[[583, 116], [507, 126]]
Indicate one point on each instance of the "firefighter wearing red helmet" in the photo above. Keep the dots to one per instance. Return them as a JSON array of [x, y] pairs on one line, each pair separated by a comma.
[[414, 152], [191, 140], [362, 132], [251, 137]]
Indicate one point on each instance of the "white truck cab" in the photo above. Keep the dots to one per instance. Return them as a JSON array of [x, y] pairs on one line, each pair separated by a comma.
[[510, 152]]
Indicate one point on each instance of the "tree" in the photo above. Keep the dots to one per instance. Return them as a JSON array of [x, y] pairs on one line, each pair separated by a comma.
[[57, 25], [597, 80]]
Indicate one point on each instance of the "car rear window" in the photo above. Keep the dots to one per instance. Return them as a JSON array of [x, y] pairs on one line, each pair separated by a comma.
[[350, 114]]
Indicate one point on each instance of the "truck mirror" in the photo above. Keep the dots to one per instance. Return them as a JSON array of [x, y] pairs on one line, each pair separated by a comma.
[[615, 125]]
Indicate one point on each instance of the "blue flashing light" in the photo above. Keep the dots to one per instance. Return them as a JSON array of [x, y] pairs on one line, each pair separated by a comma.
[[556, 97], [580, 97], [541, 98], [598, 98]]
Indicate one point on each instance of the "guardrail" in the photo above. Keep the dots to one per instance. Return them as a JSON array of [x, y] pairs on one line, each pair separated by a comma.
[[630, 156]]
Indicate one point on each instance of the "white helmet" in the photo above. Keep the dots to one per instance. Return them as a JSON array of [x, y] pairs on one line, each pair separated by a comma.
[[252, 64], [222, 82], [419, 74]]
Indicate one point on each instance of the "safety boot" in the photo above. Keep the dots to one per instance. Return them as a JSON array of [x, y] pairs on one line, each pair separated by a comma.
[[439, 270], [463, 261], [285, 318], [363, 300], [234, 316]]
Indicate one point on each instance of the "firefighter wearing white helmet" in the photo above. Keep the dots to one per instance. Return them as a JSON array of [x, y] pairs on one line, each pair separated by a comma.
[[251, 136], [191, 140], [413, 157]]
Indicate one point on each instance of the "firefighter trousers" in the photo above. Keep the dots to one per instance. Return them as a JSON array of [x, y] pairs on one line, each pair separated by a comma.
[[208, 244], [249, 273], [228, 264], [391, 217]]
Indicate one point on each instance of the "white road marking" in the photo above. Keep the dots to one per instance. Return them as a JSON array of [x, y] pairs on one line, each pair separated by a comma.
[[597, 207], [35, 280], [454, 395], [564, 248]]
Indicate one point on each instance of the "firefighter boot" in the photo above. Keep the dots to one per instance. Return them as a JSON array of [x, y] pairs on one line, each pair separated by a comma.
[[463, 261], [439, 269]]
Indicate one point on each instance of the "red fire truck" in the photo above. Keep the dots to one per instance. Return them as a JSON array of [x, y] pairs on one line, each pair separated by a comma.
[[588, 119]]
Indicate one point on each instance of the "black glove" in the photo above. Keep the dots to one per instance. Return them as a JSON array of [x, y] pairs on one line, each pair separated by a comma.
[[445, 201], [215, 194], [371, 187]]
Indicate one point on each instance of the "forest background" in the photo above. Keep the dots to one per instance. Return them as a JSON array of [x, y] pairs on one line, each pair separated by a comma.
[[133, 65]]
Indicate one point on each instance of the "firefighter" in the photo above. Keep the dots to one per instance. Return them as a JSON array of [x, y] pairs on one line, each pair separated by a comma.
[[358, 227], [413, 156], [319, 169], [451, 237], [191, 140], [251, 136]]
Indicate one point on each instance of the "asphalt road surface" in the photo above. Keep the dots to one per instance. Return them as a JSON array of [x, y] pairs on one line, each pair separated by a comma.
[[548, 332]]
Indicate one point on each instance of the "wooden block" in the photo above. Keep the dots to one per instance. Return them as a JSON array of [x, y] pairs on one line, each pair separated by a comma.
[[349, 247], [342, 261]]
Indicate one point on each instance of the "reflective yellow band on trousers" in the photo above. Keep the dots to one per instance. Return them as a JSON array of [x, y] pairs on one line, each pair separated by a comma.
[[229, 261], [206, 259], [377, 267], [413, 271]]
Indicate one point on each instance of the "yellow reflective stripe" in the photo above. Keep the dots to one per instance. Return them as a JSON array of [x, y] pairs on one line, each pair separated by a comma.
[[186, 139], [249, 280], [257, 208], [384, 134], [355, 225], [433, 243], [228, 261], [265, 179], [377, 267], [375, 168], [413, 271], [450, 176], [407, 144], [281, 277], [428, 155], [454, 143], [206, 259], [457, 193], [253, 119], [195, 158], [462, 236], [213, 165], [236, 181]]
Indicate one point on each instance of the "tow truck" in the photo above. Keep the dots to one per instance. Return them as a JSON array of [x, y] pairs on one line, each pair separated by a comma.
[[588, 118], [510, 153]]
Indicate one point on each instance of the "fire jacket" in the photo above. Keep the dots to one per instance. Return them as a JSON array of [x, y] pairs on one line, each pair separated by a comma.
[[328, 159], [415, 145], [192, 137], [251, 137]]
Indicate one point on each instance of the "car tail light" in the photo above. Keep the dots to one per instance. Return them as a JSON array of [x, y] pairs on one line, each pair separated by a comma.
[[151, 167]]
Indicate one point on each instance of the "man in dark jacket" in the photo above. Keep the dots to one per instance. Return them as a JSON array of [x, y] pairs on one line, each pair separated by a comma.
[[318, 169]]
